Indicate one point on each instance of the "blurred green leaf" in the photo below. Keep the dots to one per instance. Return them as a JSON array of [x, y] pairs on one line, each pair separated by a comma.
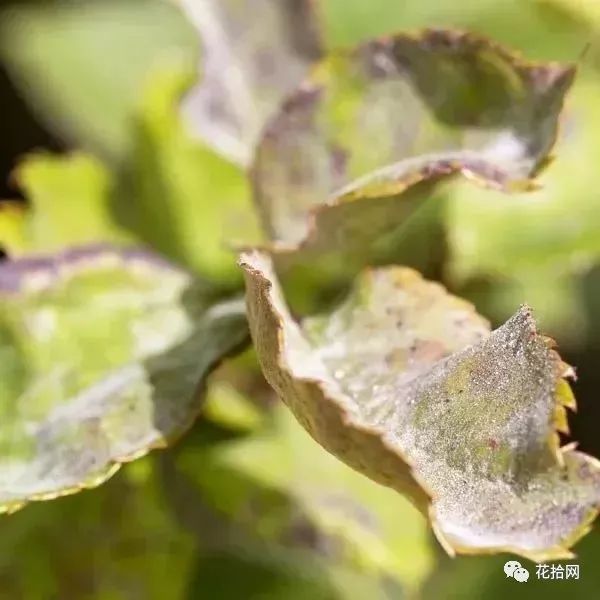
[[171, 193], [525, 24], [229, 408], [277, 575], [585, 11], [117, 542], [314, 500], [104, 352], [404, 383], [177, 195], [69, 197], [255, 577], [82, 64]]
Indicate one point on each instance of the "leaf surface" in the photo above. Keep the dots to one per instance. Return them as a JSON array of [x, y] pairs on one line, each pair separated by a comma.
[[374, 119], [103, 354], [69, 200], [254, 53], [172, 193], [407, 385]]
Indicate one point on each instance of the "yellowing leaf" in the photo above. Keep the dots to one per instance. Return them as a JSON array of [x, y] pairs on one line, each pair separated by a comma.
[[369, 118], [587, 11], [70, 204], [406, 384], [12, 226], [177, 196], [103, 353], [254, 53]]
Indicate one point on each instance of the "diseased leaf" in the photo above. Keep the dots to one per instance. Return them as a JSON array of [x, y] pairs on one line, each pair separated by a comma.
[[374, 119], [103, 353], [405, 383], [254, 53]]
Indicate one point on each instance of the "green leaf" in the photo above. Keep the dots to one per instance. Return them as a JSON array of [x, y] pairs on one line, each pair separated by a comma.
[[255, 53], [81, 65], [103, 357], [281, 484], [177, 195], [97, 545], [375, 119], [13, 238], [584, 11], [171, 193], [272, 576], [406, 384], [70, 205]]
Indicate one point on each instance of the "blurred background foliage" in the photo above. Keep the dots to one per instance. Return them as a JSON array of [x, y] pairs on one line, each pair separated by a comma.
[[247, 506]]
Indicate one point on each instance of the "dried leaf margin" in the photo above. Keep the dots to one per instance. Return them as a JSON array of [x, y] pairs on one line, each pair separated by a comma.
[[307, 391], [225, 320]]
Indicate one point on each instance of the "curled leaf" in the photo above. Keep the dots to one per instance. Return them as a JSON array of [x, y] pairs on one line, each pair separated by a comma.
[[103, 354], [254, 53], [406, 384], [372, 117]]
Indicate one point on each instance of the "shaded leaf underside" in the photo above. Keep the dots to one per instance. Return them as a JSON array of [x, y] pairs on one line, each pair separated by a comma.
[[103, 353], [406, 384]]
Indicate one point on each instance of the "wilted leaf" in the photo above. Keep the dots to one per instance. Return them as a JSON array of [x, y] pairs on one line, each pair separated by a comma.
[[254, 53], [372, 120], [405, 383], [103, 353]]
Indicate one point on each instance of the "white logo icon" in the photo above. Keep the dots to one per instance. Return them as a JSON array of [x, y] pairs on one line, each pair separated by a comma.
[[513, 569]]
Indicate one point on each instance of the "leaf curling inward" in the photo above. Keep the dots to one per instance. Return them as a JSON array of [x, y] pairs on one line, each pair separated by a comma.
[[406, 384], [103, 357], [382, 111], [255, 52]]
